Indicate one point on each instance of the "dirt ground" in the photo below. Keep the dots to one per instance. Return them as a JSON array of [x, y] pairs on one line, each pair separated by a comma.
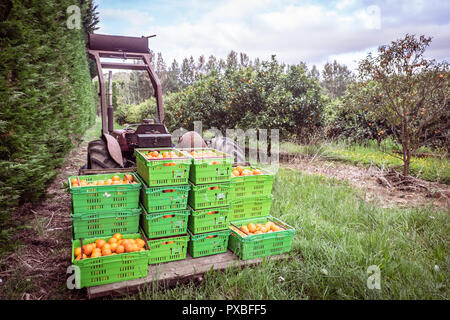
[[366, 179], [37, 270]]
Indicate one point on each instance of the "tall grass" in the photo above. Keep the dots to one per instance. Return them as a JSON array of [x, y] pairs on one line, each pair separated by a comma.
[[338, 236]]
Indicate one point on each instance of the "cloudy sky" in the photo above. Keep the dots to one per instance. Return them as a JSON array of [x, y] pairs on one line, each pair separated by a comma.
[[294, 30]]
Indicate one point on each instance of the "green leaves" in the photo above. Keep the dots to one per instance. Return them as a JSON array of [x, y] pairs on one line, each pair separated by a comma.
[[270, 96], [46, 94]]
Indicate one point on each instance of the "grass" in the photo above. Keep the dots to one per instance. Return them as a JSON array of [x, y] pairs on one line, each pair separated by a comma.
[[428, 168], [338, 236]]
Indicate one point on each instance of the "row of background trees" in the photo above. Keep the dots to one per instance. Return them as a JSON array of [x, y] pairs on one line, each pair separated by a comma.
[[299, 100], [397, 94]]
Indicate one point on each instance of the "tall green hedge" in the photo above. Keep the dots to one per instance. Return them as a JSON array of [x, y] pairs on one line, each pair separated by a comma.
[[46, 96]]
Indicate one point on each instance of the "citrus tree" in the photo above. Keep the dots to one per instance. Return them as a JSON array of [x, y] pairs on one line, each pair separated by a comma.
[[412, 92]]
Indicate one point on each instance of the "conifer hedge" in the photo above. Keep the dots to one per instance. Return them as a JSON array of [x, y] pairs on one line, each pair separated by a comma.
[[46, 95]]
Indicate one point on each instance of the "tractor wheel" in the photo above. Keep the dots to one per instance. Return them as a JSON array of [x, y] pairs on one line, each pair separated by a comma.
[[99, 157]]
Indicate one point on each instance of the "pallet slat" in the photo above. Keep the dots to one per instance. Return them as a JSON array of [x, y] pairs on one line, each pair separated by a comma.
[[175, 271]]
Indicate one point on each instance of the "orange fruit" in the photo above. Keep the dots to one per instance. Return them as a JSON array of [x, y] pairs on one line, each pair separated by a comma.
[[87, 249], [258, 232], [256, 171], [96, 254], [128, 247], [108, 182], [251, 227], [120, 249], [100, 182], [258, 226], [106, 252], [117, 182], [140, 243], [83, 183], [129, 177], [263, 229], [245, 229], [113, 247], [100, 243], [112, 240], [142, 249], [79, 257], [116, 178], [268, 225], [235, 173], [75, 185], [77, 251], [239, 168], [106, 246], [273, 227], [118, 236]]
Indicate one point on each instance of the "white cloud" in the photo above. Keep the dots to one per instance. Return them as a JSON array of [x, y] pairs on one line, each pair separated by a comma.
[[313, 33]]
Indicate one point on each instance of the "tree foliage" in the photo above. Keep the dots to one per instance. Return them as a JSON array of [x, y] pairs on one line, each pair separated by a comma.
[[412, 92], [272, 97], [46, 96]]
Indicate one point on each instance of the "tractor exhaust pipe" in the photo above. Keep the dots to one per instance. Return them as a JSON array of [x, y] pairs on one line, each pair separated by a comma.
[[110, 110]]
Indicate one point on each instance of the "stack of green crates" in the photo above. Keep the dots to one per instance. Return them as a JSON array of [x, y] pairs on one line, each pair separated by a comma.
[[251, 195], [98, 212], [252, 199], [164, 196], [102, 210], [209, 201]]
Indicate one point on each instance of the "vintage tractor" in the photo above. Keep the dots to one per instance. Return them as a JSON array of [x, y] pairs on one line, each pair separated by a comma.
[[114, 151]]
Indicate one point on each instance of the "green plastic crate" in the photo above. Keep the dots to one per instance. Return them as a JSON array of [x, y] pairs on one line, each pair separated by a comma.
[[168, 249], [210, 169], [208, 220], [164, 224], [165, 171], [160, 199], [251, 207], [104, 198], [252, 186], [207, 244], [209, 195], [103, 224], [261, 245], [110, 269]]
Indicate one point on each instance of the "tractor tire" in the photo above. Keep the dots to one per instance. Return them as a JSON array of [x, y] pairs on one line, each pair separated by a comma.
[[99, 157]]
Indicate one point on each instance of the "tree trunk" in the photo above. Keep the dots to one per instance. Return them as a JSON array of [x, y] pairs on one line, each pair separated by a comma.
[[406, 151]]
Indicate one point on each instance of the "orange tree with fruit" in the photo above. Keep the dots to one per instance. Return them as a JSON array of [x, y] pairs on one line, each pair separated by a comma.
[[271, 96], [411, 92]]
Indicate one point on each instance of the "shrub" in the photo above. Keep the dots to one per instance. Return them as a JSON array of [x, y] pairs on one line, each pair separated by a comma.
[[46, 96]]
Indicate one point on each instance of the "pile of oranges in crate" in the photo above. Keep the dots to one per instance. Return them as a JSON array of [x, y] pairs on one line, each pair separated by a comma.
[[239, 171], [127, 179], [163, 155], [258, 228], [203, 154], [115, 245]]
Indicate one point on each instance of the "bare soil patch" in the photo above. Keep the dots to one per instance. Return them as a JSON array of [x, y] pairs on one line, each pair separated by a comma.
[[368, 179]]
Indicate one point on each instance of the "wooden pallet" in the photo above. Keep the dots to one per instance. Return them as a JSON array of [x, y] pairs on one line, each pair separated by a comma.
[[177, 271]]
